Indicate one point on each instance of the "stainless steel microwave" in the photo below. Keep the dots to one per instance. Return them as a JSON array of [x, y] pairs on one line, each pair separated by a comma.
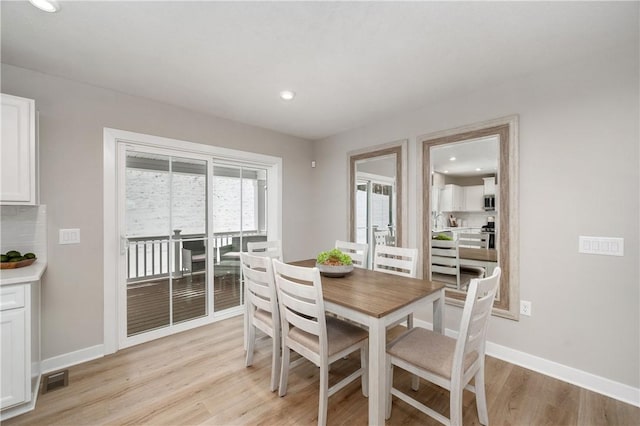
[[489, 202]]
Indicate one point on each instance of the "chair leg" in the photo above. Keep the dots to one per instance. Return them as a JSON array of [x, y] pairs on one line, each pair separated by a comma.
[[251, 340], [324, 396], [284, 371], [455, 404], [415, 380], [275, 362], [481, 397], [364, 365], [389, 372]]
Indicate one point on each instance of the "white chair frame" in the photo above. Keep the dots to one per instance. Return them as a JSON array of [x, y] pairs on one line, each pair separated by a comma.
[[302, 308], [471, 338], [473, 240], [272, 249], [358, 252], [261, 300]]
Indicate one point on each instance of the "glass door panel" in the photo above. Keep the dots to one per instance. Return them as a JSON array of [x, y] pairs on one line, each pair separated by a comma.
[[239, 217], [189, 225], [148, 252], [227, 225]]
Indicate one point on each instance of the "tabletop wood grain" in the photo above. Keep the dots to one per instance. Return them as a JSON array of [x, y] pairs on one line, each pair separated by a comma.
[[371, 292], [486, 255]]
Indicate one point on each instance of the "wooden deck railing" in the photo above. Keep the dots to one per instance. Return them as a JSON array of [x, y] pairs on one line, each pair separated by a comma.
[[149, 257]]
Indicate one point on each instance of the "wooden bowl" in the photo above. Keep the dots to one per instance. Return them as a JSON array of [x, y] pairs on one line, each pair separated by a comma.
[[14, 265]]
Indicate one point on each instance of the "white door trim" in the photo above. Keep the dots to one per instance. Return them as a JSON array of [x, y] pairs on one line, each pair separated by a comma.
[[110, 206]]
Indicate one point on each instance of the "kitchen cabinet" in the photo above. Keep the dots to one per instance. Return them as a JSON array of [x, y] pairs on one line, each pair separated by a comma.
[[20, 350], [489, 185], [474, 198], [451, 198], [18, 156]]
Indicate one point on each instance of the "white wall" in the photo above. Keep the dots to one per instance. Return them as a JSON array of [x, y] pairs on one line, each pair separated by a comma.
[[72, 118], [579, 166]]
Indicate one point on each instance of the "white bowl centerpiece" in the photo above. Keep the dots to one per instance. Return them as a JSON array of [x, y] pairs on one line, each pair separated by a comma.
[[334, 263]]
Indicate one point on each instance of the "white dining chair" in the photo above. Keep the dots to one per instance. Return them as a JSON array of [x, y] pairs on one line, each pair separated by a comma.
[[397, 261], [445, 265], [357, 252], [262, 309], [272, 249], [447, 362], [305, 329]]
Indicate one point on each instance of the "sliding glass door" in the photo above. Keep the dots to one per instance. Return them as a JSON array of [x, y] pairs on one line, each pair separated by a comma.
[[185, 218]]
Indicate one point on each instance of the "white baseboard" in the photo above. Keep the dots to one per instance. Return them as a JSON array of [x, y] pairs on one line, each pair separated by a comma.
[[583, 379], [72, 358]]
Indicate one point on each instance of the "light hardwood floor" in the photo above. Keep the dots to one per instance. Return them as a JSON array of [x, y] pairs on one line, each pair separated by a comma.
[[198, 377]]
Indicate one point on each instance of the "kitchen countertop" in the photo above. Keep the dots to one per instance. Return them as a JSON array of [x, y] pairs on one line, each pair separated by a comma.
[[29, 273]]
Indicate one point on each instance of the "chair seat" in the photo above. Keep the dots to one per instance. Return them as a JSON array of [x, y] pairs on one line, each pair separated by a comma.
[[264, 316], [478, 271], [428, 350], [340, 335]]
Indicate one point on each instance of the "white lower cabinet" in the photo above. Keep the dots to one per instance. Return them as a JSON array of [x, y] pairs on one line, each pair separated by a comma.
[[20, 350], [15, 377]]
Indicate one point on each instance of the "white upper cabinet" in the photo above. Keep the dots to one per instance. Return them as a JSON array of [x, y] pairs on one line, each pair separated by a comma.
[[489, 185], [452, 198], [18, 167], [474, 198]]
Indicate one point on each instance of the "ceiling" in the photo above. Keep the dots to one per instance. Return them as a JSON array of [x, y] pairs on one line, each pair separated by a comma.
[[465, 158], [350, 63]]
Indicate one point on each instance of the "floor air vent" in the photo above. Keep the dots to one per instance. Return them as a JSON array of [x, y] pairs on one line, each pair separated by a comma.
[[56, 380]]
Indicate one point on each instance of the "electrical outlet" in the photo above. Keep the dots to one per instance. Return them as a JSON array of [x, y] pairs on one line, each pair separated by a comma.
[[525, 308]]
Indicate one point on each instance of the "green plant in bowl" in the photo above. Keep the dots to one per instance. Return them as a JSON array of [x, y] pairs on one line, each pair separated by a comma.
[[334, 263], [444, 237], [333, 257]]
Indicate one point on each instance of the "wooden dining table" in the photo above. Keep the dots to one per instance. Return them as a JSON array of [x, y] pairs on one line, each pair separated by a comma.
[[486, 258], [376, 300]]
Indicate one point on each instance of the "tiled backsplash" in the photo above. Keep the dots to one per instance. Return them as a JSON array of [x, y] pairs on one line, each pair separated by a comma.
[[24, 228]]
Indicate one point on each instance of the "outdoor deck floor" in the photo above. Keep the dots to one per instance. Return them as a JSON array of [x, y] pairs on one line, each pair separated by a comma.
[[148, 302]]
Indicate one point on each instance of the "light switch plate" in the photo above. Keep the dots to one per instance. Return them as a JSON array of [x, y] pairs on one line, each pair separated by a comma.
[[601, 245], [70, 236]]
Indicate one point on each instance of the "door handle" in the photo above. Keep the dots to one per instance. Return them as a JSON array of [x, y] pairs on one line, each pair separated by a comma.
[[124, 242]]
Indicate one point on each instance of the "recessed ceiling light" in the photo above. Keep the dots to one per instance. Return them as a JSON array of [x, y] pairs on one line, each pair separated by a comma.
[[452, 159], [478, 169], [287, 95], [446, 171], [46, 5]]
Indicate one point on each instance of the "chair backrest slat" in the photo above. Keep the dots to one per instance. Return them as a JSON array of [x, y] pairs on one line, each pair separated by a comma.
[[357, 252], [259, 283], [396, 260], [300, 297], [445, 258], [272, 249], [475, 319], [473, 239]]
